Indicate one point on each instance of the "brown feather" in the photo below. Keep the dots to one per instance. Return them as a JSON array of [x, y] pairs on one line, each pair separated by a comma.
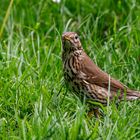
[[99, 77], [84, 76]]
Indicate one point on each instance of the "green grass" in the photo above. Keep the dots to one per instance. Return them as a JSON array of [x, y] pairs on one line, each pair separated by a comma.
[[34, 102]]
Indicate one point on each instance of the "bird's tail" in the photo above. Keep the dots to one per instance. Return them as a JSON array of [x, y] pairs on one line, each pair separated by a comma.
[[132, 95]]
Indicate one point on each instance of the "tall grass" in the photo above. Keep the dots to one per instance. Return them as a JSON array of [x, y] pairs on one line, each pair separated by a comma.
[[34, 102]]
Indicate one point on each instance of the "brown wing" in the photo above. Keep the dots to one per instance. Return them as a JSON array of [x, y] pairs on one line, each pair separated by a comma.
[[96, 76]]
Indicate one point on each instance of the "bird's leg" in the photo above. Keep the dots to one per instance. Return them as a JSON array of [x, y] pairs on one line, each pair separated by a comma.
[[94, 112]]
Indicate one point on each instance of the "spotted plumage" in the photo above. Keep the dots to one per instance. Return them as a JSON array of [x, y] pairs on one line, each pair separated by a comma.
[[87, 79]]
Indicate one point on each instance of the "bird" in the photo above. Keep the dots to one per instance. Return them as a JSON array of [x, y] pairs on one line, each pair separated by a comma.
[[86, 79]]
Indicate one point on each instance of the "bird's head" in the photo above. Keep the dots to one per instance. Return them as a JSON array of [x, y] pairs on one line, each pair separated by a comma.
[[71, 41]]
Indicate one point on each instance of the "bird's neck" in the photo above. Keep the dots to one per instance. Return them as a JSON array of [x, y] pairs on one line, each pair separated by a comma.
[[78, 52], [70, 53]]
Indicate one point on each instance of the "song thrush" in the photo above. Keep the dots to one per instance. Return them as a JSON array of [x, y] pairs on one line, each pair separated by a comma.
[[87, 79]]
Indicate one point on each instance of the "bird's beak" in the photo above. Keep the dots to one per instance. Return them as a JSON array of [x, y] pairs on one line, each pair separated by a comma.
[[65, 37]]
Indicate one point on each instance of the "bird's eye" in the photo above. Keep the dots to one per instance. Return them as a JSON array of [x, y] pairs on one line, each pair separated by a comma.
[[76, 37]]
